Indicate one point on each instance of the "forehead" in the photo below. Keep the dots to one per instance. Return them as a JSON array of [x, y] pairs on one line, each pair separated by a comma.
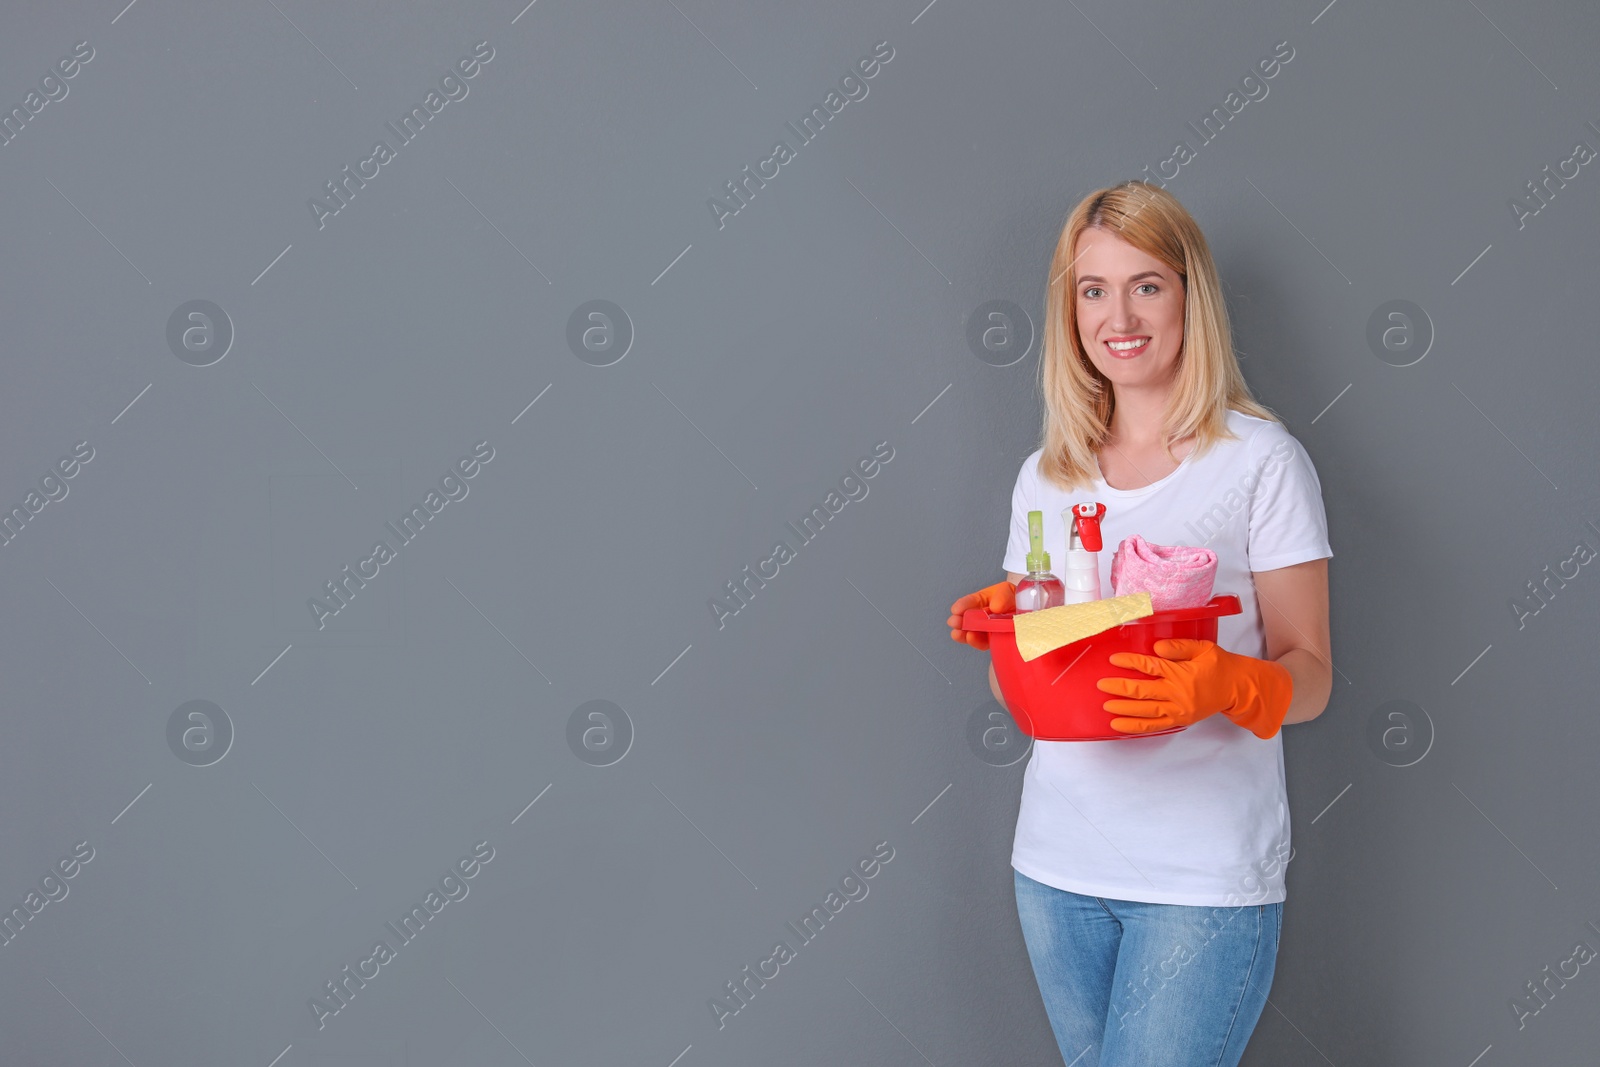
[[1101, 255]]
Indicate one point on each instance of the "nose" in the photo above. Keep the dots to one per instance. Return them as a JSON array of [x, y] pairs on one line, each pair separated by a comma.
[[1123, 318]]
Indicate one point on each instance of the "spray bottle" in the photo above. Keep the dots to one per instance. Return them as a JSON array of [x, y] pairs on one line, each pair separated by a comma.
[[1081, 577], [1040, 589]]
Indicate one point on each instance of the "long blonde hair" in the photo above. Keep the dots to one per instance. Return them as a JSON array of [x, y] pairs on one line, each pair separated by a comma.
[[1078, 399]]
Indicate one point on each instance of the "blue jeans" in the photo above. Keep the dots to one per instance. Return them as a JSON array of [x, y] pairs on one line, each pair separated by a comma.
[[1130, 984]]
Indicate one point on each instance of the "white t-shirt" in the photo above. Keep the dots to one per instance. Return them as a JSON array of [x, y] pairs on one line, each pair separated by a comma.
[[1200, 816]]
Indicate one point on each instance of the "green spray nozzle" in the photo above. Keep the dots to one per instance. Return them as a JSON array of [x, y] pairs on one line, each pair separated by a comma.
[[1038, 558]]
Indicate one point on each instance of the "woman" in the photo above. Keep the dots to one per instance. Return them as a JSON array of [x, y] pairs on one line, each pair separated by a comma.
[[1149, 871]]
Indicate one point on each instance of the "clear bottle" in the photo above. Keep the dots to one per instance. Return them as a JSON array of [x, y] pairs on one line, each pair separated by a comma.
[[1039, 589]]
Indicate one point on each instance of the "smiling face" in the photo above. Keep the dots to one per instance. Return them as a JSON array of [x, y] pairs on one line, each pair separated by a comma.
[[1126, 297]]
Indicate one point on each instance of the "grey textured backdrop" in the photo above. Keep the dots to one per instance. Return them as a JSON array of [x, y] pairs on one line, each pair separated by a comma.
[[1405, 218]]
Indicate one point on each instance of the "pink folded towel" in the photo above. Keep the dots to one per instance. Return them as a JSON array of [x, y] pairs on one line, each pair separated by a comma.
[[1175, 576]]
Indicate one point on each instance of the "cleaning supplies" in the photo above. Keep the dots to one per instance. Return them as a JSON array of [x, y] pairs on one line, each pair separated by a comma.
[[1040, 589], [1175, 576], [1082, 574], [1046, 631], [1055, 697]]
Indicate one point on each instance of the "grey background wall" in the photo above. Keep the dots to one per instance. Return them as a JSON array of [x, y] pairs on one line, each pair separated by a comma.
[[231, 858]]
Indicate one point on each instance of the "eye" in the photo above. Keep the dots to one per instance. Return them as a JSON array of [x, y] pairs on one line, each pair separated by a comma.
[[1091, 289], [1148, 285]]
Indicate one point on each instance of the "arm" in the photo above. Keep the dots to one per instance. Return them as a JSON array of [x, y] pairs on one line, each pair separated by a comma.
[[994, 683], [1294, 617]]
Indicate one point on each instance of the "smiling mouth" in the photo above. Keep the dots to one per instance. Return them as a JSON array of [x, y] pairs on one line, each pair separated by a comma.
[[1121, 350]]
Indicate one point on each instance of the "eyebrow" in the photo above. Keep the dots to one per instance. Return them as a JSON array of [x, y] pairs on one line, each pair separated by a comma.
[[1096, 278]]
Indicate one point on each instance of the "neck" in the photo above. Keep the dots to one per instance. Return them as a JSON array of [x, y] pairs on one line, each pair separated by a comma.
[[1136, 418]]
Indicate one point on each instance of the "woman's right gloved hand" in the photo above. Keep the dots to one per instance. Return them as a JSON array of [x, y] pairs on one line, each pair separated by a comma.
[[998, 599]]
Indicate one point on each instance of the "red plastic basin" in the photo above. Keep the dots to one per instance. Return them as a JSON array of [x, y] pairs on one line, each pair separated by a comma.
[[1055, 698]]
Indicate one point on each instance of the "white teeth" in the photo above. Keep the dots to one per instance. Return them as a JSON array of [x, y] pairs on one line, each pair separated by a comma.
[[1123, 346]]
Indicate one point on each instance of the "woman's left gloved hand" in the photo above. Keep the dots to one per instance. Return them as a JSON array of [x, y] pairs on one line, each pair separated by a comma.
[[1194, 679]]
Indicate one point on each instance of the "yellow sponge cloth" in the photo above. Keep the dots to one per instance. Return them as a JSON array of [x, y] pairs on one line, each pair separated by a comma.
[[1044, 631]]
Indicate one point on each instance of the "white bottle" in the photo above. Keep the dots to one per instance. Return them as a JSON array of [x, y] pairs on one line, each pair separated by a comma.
[[1081, 571]]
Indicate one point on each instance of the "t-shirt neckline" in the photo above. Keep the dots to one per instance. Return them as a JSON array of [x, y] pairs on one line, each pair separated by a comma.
[[1111, 490]]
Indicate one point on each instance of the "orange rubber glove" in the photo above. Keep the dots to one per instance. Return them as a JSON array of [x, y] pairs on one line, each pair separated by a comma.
[[997, 599], [1194, 679]]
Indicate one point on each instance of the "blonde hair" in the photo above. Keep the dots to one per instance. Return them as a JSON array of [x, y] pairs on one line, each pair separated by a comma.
[[1207, 382]]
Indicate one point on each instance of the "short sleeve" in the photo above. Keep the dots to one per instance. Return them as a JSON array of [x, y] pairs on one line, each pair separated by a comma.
[[1288, 523], [1022, 502]]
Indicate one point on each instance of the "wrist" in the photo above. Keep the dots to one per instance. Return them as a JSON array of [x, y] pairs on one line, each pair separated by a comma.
[[1262, 694]]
